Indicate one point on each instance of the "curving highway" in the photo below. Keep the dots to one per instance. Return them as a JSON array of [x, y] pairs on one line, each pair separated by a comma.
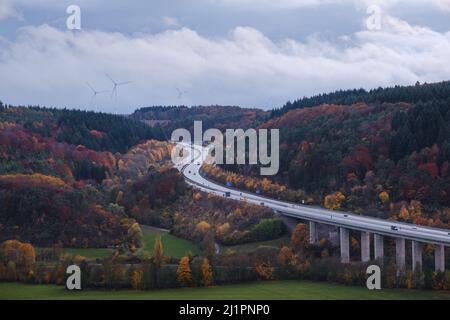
[[191, 172]]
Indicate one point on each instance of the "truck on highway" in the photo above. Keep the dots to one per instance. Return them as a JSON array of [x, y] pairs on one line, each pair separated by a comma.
[[228, 194]]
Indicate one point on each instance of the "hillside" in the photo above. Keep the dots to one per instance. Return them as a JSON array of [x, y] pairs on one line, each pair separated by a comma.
[[59, 170], [96, 131], [387, 159], [64, 181], [77, 179]]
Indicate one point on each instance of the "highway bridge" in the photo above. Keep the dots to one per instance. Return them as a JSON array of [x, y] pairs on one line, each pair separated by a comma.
[[380, 228]]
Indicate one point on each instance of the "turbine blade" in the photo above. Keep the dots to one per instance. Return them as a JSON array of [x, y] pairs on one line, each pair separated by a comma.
[[109, 77], [93, 90]]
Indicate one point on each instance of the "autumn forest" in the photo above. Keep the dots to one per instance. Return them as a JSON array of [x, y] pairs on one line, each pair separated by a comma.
[[72, 179]]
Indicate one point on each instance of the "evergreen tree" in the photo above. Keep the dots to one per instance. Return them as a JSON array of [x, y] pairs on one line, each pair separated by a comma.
[[184, 272]]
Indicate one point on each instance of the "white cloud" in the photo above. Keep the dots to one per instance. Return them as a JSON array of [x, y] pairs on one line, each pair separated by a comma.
[[171, 22], [48, 66], [443, 4], [289, 4], [7, 10]]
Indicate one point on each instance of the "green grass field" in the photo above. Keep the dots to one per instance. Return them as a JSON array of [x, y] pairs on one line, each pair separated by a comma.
[[173, 246], [90, 253], [252, 246], [276, 290]]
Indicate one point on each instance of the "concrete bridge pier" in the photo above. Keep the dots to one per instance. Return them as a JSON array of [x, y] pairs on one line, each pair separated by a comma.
[[400, 255], [365, 246], [290, 223], [439, 258], [313, 233], [378, 244], [345, 245], [416, 256]]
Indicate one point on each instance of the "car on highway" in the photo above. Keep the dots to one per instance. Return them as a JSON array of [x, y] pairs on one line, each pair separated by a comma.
[[394, 228]]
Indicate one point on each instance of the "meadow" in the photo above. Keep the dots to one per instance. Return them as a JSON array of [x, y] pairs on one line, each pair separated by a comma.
[[273, 290], [173, 246]]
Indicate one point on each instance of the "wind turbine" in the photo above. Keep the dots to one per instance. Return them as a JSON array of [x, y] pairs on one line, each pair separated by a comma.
[[115, 85], [180, 93], [94, 94]]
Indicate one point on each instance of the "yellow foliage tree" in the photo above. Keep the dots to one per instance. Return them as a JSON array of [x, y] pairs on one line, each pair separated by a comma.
[[20, 255], [197, 196], [237, 212], [135, 236], [136, 279], [334, 201], [203, 226], [184, 272], [415, 209], [207, 275], [265, 184], [384, 196], [222, 229], [158, 253]]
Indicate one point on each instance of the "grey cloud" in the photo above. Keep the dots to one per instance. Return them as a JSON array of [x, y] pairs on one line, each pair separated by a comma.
[[48, 66]]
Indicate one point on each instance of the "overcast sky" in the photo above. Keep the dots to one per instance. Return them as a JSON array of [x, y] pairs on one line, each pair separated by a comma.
[[252, 53]]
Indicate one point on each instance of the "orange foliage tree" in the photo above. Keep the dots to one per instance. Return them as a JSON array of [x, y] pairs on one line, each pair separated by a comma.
[[184, 272], [300, 237], [19, 257], [264, 271]]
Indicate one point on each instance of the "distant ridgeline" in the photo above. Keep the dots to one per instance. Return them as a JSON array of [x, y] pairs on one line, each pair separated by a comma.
[[410, 94], [220, 117], [96, 131]]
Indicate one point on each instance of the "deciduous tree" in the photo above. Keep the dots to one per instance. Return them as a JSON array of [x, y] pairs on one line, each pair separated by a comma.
[[207, 275], [184, 272]]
